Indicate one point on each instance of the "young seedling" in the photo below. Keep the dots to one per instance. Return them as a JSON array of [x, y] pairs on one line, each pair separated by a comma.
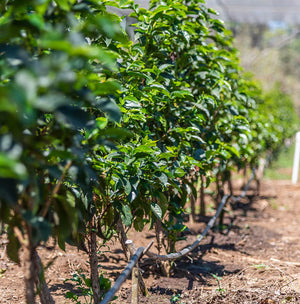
[[220, 289], [84, 286]]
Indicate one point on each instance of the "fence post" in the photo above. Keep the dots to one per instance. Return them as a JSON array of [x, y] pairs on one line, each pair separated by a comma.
[[296, 159]]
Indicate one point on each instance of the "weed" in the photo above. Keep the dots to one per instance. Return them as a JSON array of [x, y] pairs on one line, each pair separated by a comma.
[[247, 227], [261, 266], [2, 271], [84, 286], [222, 227], [218, 281], [175, 299]]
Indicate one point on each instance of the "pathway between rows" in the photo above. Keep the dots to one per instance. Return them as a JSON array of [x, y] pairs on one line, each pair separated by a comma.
[[257, 260]]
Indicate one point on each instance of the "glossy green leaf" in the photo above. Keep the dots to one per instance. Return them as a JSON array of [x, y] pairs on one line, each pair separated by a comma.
[[126, 215], [156, 210], [11, 168], [179, 172]]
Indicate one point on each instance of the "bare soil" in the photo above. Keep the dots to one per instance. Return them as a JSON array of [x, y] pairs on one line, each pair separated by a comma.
[[255, 259]]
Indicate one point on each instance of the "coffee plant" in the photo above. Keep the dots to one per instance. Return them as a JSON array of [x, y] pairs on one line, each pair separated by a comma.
[[98, 132], [52, 66]]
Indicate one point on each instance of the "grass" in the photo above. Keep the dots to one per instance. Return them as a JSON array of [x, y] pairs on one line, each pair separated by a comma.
[[281, 167]]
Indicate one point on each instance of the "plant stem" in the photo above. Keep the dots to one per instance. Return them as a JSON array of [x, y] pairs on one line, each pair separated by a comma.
[[94, 264], [40, 282], [193, 209], [202, 202], [159, 235], [122, 237], [29, 274], [55, 190]]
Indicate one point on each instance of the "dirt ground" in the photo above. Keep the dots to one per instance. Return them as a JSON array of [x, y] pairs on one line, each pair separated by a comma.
[[256, 259]]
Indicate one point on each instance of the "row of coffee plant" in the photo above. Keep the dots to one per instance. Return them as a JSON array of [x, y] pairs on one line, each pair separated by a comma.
[[98, 132]]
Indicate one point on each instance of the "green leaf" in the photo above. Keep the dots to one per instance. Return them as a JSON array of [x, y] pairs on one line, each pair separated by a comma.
[[87, 51], [200, 154], [156, 210], [143, 149], [117, 133], [36, 20], [110, 107], [49, 103], [164, 67], [127, 186], [88, 282], [179, 172], [70, 198], [233, 150], [132, 196], [11, 168], [181, 94], [101, 122], [138, 224], [110, 27], [131, 103], [126, 215], [28, 83], [69, 295], [64, 4], [123, 2], [107, 87], [74, 117], [41, 229], [158, 87], [61, 242], [163, 179], [6, 105]]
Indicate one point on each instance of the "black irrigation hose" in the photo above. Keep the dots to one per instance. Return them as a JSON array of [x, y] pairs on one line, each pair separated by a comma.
[[123, 276], [243, 194], [172, 256], [125, 273], [188, 249]]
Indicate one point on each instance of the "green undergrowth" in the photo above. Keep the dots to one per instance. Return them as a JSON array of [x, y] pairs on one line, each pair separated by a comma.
[[281, 167]]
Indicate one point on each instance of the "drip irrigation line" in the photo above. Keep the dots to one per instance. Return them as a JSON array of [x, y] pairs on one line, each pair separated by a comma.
[[172, 256], [125, 273], [243, 194], [188, 249], [123, 276]]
